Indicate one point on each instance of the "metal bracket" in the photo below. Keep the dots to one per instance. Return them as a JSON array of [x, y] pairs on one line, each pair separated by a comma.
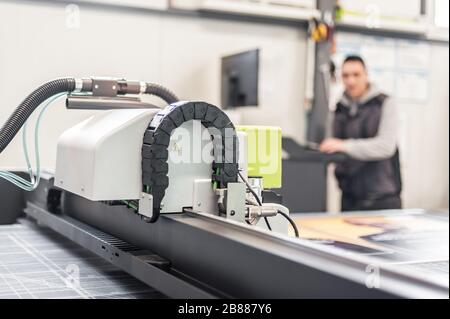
[[146, 205], [104, 87], [89, 102], [204, 199], [236, 201]]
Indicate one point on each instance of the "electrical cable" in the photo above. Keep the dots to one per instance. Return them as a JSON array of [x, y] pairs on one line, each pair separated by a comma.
[[266, 220], [294, 226], [246, 182]]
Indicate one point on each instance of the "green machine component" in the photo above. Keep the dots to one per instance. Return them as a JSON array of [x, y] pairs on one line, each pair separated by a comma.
[[264, 153]]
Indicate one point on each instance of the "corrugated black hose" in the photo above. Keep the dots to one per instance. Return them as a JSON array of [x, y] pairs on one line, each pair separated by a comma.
[[20, 115], [161, 92]]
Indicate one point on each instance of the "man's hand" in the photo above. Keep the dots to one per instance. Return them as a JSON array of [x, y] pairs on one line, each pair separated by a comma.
[[332, 145]]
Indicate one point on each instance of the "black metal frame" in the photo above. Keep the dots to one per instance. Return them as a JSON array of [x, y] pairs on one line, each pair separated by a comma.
[[142, 264], [203, 256]]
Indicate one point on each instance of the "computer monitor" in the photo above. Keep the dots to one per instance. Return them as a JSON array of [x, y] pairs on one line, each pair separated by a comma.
[[240, 74]]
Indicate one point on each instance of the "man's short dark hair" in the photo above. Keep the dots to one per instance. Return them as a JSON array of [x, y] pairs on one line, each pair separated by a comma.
[[355, 58]]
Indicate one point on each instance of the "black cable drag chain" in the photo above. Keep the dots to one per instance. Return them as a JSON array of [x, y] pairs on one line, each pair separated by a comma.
[[157, 138]]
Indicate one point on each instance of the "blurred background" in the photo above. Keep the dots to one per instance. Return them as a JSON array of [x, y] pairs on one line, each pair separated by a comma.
[[186, 46]]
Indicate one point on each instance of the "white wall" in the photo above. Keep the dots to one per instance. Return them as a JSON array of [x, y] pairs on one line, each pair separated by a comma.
[[425, 140], [182, 53]]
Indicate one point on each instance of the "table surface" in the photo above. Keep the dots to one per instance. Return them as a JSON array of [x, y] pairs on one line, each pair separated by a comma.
[[37, 263]]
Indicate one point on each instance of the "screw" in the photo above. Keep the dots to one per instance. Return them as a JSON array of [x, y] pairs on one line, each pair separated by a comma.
[[232, 213]]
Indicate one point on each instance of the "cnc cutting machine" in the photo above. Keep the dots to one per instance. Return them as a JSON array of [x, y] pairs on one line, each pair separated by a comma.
[[188, 155], [182, 199]]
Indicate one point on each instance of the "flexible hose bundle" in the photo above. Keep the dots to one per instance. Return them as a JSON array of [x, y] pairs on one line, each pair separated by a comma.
[[49, 89], [31, 102], [49, 92], [35, 176]]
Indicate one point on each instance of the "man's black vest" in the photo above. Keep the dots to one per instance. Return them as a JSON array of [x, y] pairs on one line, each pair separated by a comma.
[[365, 179]]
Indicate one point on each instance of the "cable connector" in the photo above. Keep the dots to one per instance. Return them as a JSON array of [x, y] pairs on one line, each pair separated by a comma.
[[261, 211]]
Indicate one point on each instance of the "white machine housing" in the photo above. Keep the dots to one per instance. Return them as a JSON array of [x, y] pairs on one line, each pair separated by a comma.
[[101, 159]]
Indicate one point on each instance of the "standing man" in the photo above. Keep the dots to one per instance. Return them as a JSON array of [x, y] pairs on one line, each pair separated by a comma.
[[365, 128]]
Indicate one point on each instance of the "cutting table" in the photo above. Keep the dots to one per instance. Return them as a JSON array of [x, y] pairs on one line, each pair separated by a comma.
[[37, 263], [191, 255]]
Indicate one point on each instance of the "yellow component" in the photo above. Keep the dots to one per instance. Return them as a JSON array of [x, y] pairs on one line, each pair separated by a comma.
[[264, 153], [320, 32], [315, 35], [323, 30]]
